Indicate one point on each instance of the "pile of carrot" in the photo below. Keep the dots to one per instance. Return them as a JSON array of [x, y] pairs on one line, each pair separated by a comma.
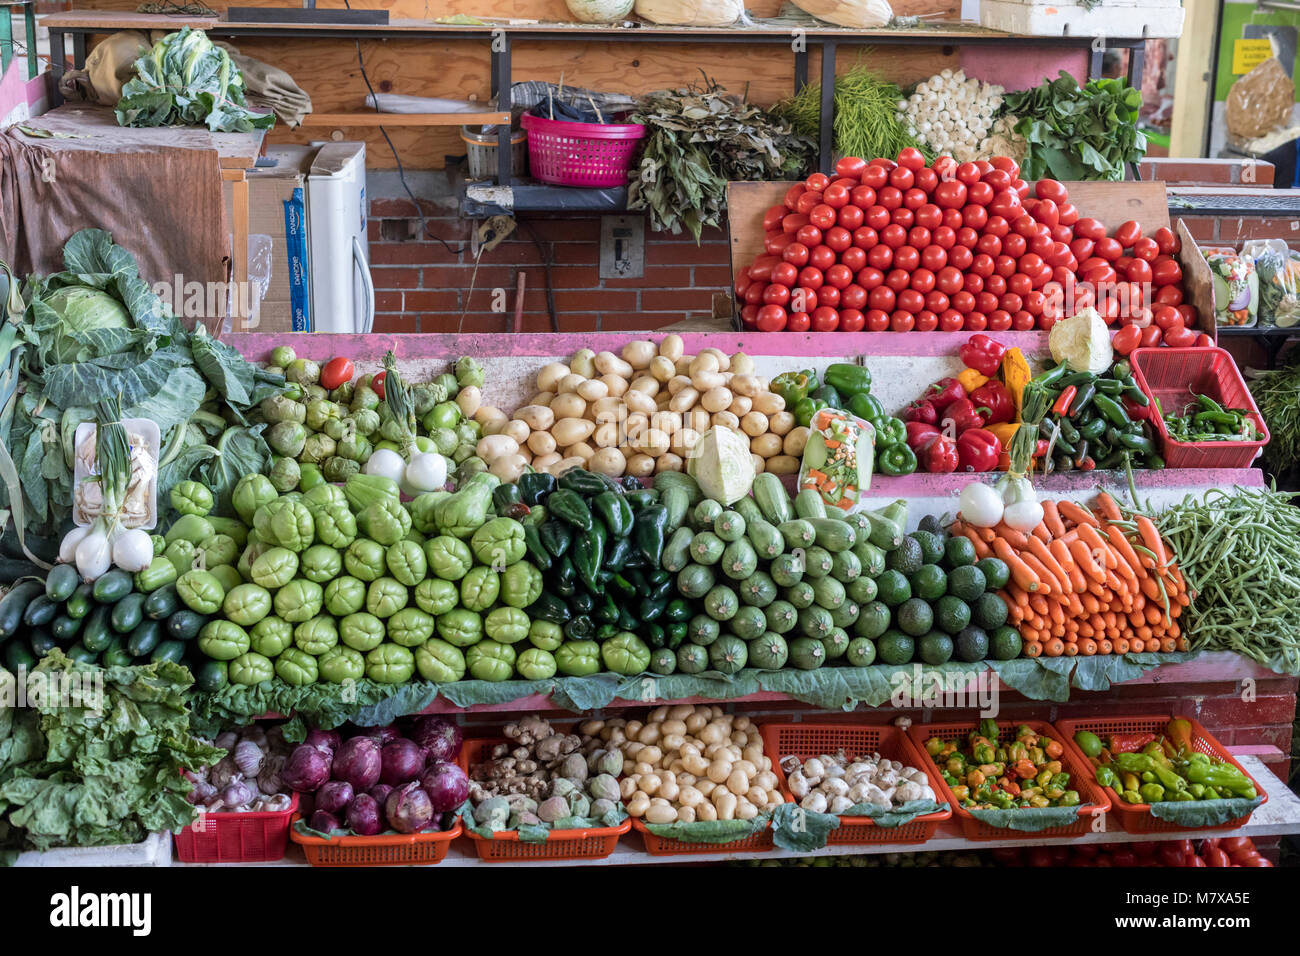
[[1087, 582]]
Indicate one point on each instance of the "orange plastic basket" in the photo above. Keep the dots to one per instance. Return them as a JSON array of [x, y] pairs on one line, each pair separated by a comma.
[[1092, 796], [1137, 817], [231, 837], [591, 844], [856, 740], [759, 842], [386, 849]]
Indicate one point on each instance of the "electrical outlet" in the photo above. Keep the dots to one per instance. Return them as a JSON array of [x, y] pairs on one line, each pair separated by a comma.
[[622, 247]]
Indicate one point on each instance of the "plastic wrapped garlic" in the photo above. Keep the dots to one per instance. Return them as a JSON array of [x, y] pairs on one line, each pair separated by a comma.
[[952, 113]]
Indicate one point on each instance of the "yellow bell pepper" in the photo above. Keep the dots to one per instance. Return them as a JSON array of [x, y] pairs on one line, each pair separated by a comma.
[[1016, 375], [1004, 431], [971, 379]]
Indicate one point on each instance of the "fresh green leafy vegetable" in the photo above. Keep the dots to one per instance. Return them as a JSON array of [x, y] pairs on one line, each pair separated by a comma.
[[1075, 132], [184, 80], [101, 765]]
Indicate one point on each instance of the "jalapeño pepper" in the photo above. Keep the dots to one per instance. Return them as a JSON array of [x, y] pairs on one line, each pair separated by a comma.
[[1082, 397], [677, 611], [1112, 410]]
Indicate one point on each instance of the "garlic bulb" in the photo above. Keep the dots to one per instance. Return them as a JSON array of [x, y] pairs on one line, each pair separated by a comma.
[[952, 113]]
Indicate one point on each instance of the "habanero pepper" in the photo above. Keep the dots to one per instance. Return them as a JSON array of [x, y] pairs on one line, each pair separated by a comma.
[[944, 392], [994, 396], [896, 459], [982, 354], [978, 450]]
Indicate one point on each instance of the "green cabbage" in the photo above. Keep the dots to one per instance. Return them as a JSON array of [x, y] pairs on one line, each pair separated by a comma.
[[80, 309], [722, 464]]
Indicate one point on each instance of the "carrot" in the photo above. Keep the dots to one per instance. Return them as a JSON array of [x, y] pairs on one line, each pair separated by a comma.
[[1143, 632], [982, 550], [1030, 635], [1038, 603], [1061, 551], [1058, 630], [1046, 581], [1048, 561], [1137, 645], [1032, 649], [1168, 645], [1106, 505], [1074, 605], [1104, 646], [1054, 647], [988, 534], [1052, 518], [1084, 629], [1055, 613], [1083, 557], [1089, 602], [1151, 538], [1100, 549], [1019, 595], [1153, 613], [1121, 645], [1183, 645], [1071, 650], [1079, 515], [1087, 647], [1017, 539], [1150, 588], [1041, 533], [1020, 572], [1122, 547], [1079, 584]]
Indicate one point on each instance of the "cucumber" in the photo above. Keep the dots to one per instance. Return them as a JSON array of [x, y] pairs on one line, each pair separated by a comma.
[[809, 504], [145, 638], [212, 675], [695, 580], [81, 654], [764, 537], [80, 603], [18, 655], [41, 611], [116, 655], [797, 533], [173, 651], [96, 635], [885, 534], [833, 534], [61, 582], [65, 628], [113, 586], [678, 503], [128, 613], [771, 498], [677, 552], [748, 509], [14, 604], [162, 603], [667, 480], [707, 548], [41, 642], [739, 560], [185, 624]]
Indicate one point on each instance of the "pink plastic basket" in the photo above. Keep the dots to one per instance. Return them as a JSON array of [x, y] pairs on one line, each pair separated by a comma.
[[580, 154], [1176, 377]]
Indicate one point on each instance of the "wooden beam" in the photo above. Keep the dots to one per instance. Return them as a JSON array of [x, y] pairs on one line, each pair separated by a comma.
[[1193, 81], [353, 120]]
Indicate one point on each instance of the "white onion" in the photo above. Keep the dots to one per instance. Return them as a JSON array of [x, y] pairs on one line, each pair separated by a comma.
[[94, 557], [133, 550], [426, 472], [68, 547], [386, 462], [980, 505]]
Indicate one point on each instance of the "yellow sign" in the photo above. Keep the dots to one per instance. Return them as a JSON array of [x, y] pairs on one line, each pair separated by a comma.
[[1248, 54]]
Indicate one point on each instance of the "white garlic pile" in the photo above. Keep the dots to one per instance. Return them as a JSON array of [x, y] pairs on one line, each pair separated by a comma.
[[831, 783], [952, 114]]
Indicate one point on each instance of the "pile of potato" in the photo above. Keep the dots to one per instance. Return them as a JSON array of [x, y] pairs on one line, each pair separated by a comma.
[[640, 413], [686, 763]]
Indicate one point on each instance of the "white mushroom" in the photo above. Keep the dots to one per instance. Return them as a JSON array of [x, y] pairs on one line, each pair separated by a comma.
[[815, 801]]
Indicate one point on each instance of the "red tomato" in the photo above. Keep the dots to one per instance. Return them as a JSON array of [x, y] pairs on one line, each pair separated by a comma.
[[902, 216], [997, 226], [838, 238], [1050, 189], [948, 280], [927, 180], [1235, 846], [754, 293], [749, 317], [882, 298], [926, 321], [852, 320], [1004, 266], [875, 176], [1011, 302], [963, 302], [894, 236], [839, 276], [1108, 248], [936, 301], [794, 222], [1046, 212], [1069, 213], [985, 302], [1021, 321], [1147, 249], [772, 218], [1015, 245], [998, 179], [974, 216], [1090, 228], [795, 253], [934, 257], [1126, 339], [776, 295], [922, 280], [809, 236], [889, 196], [1166, 316], [792, 195], [863, 196], [968, 237], [853, 297], [1166, 241], [1005, 163], [825, 319], [906, 257], [945, 167], [821, 257], [336, 371], [864, 237], [771, 318], [854, 258], [1151, 336], [869, 278], [915, 198], [960, 257], [902, 321], [829, 295], [1256, 860], [817, 181], [930, 216], [822, 216], [982, 265], [1025, 225], [1128, 233], [1082, 247], [774, 244], [1138, 270], [996, 284], [850, 166], [952, 219], [972, 283], [836, 196], [950, 320], [951, 194], [979, 194], [798, 322], [808, 202], [877, 321], [1063, 234], [1005, 203], [881, 256], [976, 321], [968, 173], [878, 217], [1166, 273], [1215, 857], [999, 321], [918, 237], [898, 279], [900, 177], [1019, 283], [810, 277], [911, 158], [803, 299], [1178, 336]]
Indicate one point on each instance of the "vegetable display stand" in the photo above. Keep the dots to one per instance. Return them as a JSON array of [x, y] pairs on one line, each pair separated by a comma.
[[594, 843], [1093, 799], [387, 849], [1137, 817], [856, 740], [592, 155], [759, 842], [1174, 377], [236, 837]]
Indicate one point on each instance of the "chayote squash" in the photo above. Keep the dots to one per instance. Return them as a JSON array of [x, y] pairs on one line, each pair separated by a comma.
[[345, 595], [410, 627], [535, 664], [361, 631], [448, 558], [579, 658], [498, 543], [390, 664], [464, 512], [521, 585], [250, 494], [625, 653], [366, 559], [317, 635], [365, 490], [422, 509], [508, 625], [439, 661], [490, 660], [341, 664], [251, 668], [460, 627], [479, 589], [386, 521], [271, 635], [436, 596]]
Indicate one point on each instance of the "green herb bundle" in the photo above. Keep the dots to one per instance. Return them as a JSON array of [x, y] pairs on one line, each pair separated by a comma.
[[700, 139], [1075, 132], [866, 115]]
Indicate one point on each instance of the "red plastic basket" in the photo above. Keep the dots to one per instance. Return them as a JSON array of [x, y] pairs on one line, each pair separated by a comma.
[[759, 842], [580, 154], [1176, 377], [809, 740], [231, 837], [1093, 797], [386, 849], [590, 844], [1136, 817]]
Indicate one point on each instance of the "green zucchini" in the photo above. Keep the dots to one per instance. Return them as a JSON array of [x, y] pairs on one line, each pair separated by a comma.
[[677, 552], [748, 509], [667, 480], [739, 560], [14, 604], [61, 582], [65, 628], [212, 675], [695, 580], [113, 586], [96, 635], [767, 541], [808, 504], [833, 534], [771, 497], [162, 603], [145, 638], [798, 533], [678, 503]]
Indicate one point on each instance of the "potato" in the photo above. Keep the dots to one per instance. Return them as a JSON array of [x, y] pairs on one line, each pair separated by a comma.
[[592, 389], [706, 812], [669, 461], [765, 445], [780, 423], [677, 383], [716, 400], [757, 796], [684, 400], [616, 384], [697, 721], [649, 783], [469, 401], [653, 442], [517, 430], [550, 376], [663, 813], [639, 353], [689, 797], [638, 805], [638, 401], [537, 417], [608, 461], [606, 410], [781, 465], [627, 787], [726, 803], [640, 465], [685, 814], [606, 436], [722, 358], [670, 347], [581, 450], [706, 361], [570, 383], [570, 431], [542, 398], [662, 369], [509, 467], [742, 364], [607, 363], [645, 383], [703, 381], [583, 363], [568, 405], [795, 440], [634, 424], [564, 464], [754, 424], [745, 810], [541, 443], [545, 462], [492, 447], [769, 403], [725, 419], [737, 781], [740, 405]]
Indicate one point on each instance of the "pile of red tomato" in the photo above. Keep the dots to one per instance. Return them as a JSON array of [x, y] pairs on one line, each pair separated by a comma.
[[900, 245]]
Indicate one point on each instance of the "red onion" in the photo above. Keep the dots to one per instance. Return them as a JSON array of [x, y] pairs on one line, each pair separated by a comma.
[[447, 786], [365, 818], [334, 796], [440, 738], [381, 734], [380, 792], [324, 822], [358, 762], [408, 809], [402, 761], [306, 769], [326, 740]]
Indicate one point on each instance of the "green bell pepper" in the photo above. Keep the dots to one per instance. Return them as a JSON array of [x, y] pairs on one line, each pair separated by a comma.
[[889, 431], [1107, 778], [848, 379], [896, 460], [1151, 793], [341, 664], [251, 668], [805, 409], [792, 387], [491, 661], [390, 664], [866, 407]]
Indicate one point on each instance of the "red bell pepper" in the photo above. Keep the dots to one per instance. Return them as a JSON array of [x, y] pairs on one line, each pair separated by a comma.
[[921, 411], [978, 450], [944, 392], [940, 456], [1139, 413], [963, 414], [920, 434], [995, 396], [982, 354]]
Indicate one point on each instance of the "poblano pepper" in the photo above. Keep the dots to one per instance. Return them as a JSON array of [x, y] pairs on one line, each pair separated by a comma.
[[650, 529], [613, 509]]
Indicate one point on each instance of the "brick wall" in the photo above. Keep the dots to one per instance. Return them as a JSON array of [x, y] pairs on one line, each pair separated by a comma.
[[424, 286]]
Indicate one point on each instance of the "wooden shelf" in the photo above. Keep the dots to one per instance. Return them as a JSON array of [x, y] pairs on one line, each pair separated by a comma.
[[346, 120]]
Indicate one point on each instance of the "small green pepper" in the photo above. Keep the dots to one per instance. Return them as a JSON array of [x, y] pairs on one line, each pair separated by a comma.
[[896, 460], [805, 409]]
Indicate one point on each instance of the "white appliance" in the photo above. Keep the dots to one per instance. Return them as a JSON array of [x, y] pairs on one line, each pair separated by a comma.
[[342, 292]]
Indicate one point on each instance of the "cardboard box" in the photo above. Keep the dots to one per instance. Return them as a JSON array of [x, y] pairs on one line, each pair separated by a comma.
[[277, 250]]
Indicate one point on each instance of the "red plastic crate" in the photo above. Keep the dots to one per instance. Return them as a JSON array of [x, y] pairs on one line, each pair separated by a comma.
[[1176, 377], [1093, 797], [231, 837], [856, 740], [1136, 817], [386, 849], [759, 842]]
